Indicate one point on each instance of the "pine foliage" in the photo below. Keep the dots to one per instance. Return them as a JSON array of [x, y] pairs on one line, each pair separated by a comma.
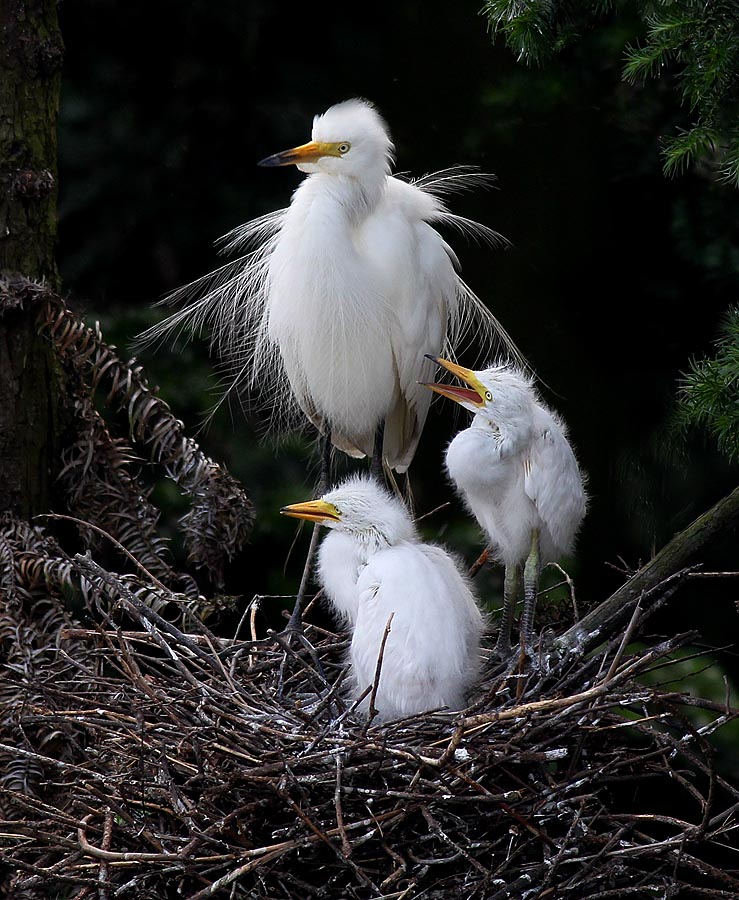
[[709, 391], [693, 42], [536, 31]]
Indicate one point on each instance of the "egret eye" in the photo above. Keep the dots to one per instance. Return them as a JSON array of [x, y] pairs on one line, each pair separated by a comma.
[[488, 396], [344, 148]]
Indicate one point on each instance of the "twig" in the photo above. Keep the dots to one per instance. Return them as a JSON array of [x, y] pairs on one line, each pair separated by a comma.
[[104, 889], [589, 629], [437, 829], [116, 543], [571, 587], [144, 637], [624, 642], [478, 563], [346, 847], [713, 574], [378, 670], [433, 511]]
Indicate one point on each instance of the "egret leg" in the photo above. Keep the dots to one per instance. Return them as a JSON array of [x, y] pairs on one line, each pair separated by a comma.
[[325, 477], [324, 481], [511, 595], [294, 627], [376, 468], [531, 572]]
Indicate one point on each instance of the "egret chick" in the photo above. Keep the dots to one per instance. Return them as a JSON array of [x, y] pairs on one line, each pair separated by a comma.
[[345, 291], [372, 566], [519, 477]]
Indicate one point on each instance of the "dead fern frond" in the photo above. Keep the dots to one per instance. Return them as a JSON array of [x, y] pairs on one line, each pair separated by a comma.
[[103, 473], [218, 524], [102, 489], [35, 578]]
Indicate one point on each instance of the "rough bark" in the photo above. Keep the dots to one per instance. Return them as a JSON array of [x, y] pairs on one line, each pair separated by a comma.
[[31, 382]]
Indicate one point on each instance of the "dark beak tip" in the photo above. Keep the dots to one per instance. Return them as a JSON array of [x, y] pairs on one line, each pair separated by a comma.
[[285, 158], [432, 358]]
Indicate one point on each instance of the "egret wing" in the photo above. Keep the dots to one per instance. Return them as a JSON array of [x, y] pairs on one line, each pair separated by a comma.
[[416, 267], [231, 304], [422, 317], [431, 651], [553, 481]]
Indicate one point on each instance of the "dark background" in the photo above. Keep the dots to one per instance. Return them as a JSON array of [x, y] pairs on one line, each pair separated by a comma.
[[616, 276]]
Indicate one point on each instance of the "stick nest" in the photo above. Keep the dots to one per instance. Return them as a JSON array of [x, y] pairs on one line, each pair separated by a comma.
[[140, 758], [154, 762]]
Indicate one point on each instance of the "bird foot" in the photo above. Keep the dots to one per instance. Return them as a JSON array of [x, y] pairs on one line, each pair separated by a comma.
[[291, 639], [294, 627], [503, 650]]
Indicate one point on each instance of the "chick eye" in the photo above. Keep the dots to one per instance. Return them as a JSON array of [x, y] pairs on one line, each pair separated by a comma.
[[488, 396], [344, 148]]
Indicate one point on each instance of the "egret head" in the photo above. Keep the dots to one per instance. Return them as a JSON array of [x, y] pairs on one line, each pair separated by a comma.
[[502, 394], [350, 138], [361, 508]]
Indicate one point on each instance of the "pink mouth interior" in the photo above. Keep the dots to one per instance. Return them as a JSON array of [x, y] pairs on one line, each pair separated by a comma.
[[461, 392]]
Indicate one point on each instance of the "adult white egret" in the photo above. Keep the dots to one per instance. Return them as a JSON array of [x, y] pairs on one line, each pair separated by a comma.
[[345, 291], [372, 566], [518, 475]]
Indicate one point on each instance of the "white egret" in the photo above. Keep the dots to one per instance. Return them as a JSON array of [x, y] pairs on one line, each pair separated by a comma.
[[344, 291], [373, 565], [518, 475]]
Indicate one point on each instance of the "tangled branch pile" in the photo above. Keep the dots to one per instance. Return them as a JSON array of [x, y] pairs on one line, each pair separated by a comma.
[[146, 759], [185, 765]]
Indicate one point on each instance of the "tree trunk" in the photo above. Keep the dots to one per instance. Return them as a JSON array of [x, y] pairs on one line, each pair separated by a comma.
[[31, 381]]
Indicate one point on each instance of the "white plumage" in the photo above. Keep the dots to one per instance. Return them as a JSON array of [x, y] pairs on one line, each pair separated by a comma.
[[346, 290], [516, 471], [373, 564]]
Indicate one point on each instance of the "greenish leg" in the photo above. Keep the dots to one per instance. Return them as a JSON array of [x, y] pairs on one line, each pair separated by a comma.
[[511, 595], [531, 572]]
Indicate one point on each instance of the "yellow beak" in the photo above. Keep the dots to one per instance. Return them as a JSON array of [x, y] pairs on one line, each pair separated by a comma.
[[475, 397], [309, 152], [313, 511]]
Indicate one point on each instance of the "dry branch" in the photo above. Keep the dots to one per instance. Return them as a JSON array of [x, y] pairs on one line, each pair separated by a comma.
[[668, 565]]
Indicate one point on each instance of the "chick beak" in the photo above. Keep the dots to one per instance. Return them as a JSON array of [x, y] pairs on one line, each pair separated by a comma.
[[309, 152], [473, 395], [313, 511], [453, 392]]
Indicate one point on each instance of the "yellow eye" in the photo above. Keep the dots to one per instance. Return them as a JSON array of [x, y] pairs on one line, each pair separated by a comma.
[[488, 396], [344, 148]]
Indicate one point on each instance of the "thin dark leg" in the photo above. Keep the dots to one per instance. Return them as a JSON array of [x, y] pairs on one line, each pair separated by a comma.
[[294, 627], [324, 481], [325, 477], [376, 467]]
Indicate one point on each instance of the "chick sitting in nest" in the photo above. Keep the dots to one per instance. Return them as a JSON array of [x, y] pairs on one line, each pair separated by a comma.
[[412, 613]]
